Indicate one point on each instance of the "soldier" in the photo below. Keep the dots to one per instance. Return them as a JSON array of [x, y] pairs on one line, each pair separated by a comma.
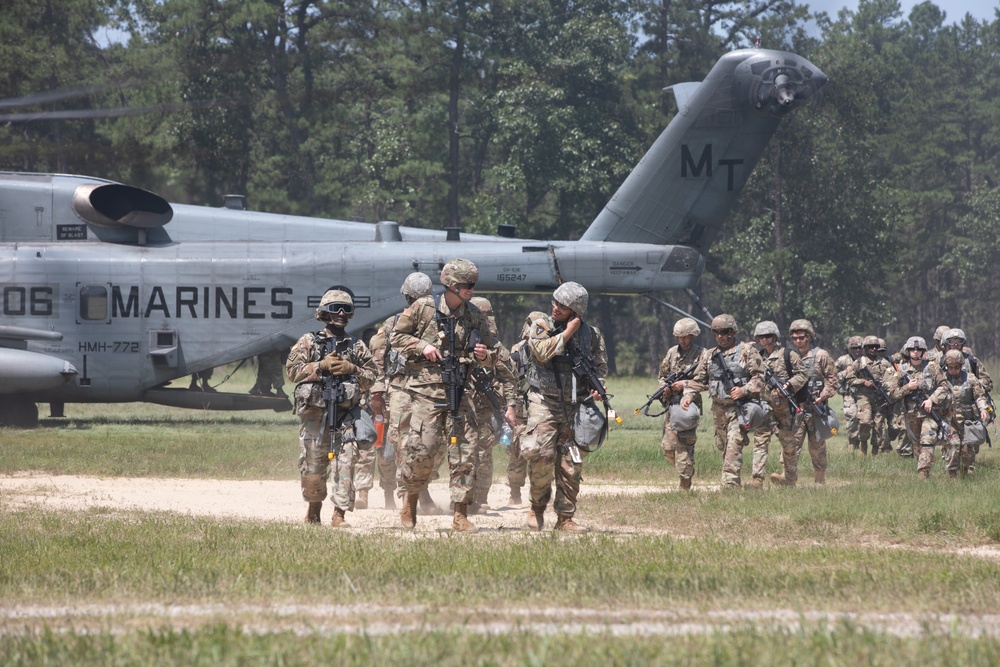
[[821, 385], [922, 375], [269, 375], [786, 367], [520, 357], [923, 388], [970, 412], [680, 426], [549, 443], [854, 345], [955, 339], [315, 357], [389, 399], [939, 346], [502, 379], [437, 365], [731, 407], [865, 377]]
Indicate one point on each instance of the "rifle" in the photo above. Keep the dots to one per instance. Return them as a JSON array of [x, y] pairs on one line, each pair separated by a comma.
[[886, 401], [334, 393], [729, 382], [585, 368], [670, 379], [944, 428], [482, 382], [453, 371], [776, 384]]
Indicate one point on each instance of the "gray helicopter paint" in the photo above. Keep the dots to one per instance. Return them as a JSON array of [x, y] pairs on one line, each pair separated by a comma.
[[138, 292]]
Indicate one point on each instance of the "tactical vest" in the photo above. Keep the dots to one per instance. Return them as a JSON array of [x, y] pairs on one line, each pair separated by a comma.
[[815, 381], [556, 378], [962, 396], [731, 357]]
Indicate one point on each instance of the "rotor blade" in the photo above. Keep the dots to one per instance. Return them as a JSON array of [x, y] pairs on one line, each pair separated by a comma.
[[54, 96], [78, 114]]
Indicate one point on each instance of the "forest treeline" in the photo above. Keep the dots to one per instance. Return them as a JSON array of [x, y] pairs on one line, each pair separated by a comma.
[[875, 209]]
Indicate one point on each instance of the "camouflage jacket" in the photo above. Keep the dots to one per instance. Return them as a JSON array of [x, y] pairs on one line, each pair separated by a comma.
[[821, 374], [746, 364], [675, 361], [967, 394], [418, 327], [933, 384], [856, 375], [776, 363], [550, 371]]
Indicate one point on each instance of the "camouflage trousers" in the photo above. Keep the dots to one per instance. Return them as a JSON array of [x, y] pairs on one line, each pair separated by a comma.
[[730, 439], [872, 425], [486, 439], [930, 437], [851, 423], [398, 430], [817, 446], [517, 467], [783, 424], [548, 431], [678, 448], [315, 464], [364, 469], [427, 443]]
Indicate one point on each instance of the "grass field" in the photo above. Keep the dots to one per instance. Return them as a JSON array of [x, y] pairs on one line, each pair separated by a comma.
[[874, 568]]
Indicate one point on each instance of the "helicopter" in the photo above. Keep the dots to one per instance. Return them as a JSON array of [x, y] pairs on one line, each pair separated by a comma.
[[110, 292]]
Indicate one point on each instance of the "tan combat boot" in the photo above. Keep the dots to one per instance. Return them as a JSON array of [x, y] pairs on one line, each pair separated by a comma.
[[361, 502], [461, 523], [536, 517], [685, 483], [566, 524], [780, 480], [757, 483], [390, 499], [923, 474], [819, 476], [338, 520], [408, 515], [312, 515]]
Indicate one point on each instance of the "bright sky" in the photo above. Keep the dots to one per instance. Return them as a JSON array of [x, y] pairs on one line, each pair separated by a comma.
[[954, 9]]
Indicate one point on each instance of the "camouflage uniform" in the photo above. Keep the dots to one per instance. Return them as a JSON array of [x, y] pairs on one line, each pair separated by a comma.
[[871, 415], [502, 381], [787, 367], [303, 367], [852, 425], [747, 367], [921, 428], [430, 420], [554, 392], [388, 381], [969, 405], [678, 446], [820, 388]]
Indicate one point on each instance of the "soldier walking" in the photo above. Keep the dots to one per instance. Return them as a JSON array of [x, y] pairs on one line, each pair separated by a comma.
[[787, 369], [436, 340], [555, 393]]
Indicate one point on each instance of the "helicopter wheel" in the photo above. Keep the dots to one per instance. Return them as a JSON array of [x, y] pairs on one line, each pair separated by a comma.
[[18, 412]]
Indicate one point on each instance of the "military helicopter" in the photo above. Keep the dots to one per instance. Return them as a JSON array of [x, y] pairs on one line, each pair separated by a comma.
[[110, 292]]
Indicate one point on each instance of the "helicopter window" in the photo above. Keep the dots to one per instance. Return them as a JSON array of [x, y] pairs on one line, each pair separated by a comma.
[[94, 302]]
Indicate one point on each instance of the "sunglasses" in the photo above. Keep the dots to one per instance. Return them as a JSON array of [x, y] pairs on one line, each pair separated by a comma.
[[954, 366], [799, 337], [461, 286], [723, 332]]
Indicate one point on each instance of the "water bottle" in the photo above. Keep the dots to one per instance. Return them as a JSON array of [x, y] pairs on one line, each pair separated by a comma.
[[506, 432], [379, 430]]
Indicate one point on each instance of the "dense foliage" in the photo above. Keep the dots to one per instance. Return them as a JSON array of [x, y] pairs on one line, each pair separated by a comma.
[[874, 210]]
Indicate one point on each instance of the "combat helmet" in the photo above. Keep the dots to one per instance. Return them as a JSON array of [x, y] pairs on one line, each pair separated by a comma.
[[954, 357], [573, 296], [459, 272], [416, 285], [941, 331], [532, 317], [724, 321], [915, 343], [855, 341], [335, 296], [686, 327], [483, 304], [954, 333], [802, 325], [766, 328]]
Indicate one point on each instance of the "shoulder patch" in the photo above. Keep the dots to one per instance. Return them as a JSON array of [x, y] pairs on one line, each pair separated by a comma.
[[406, 312]]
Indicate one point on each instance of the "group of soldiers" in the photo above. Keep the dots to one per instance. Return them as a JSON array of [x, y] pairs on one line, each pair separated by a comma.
[[444, 384], [919, 399], [437, 375]]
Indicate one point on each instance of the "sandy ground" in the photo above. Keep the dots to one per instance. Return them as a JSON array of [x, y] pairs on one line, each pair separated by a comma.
[[280, 502], [251, 500]]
